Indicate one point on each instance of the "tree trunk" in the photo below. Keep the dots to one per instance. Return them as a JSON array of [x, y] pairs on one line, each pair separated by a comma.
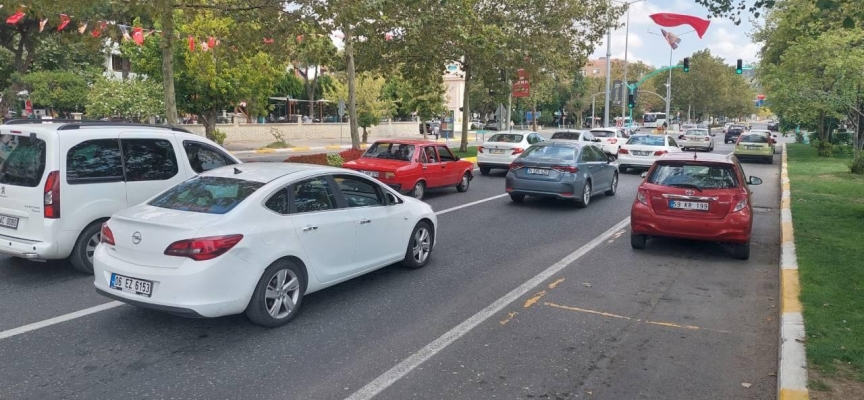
[[534, 116], [166, 11], [423, 129], [310, 91], [466, 112], [208, 118], [352, 87], [365, 135]]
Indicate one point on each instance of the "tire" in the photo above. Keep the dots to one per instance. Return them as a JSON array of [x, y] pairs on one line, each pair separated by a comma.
[[614, 188], [419, 190], [284, 300], [420, 246], [769, 160], [82, 254], [517, 198], [741, 251], [624, 169], [485, 170], [638, 241], [586, 196], [463, 185]]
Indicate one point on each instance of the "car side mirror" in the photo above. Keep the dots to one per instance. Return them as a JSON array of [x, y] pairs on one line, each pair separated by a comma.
[[596, 140], [753, 180], [773, 135], [643, 175]]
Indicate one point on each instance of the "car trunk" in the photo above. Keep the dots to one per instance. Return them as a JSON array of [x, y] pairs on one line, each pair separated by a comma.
[[156, 229], [23, 174], [639, 150], [366, 164], [719, 201], [696, 139], [540, 170], [500, 150]]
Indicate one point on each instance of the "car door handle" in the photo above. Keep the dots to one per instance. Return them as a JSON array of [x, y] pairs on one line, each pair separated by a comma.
[[310, 228], [365, 221]]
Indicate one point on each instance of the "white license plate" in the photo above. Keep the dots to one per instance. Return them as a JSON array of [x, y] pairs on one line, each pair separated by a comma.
[[538, 171], [370, 173], [641, 153], [496, 151], [9, 222], [753, 147], [131, 285], [688, 205]]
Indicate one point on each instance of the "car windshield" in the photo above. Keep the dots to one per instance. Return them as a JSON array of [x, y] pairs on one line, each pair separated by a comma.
[[206, 194], [22, 160], [689, 126], [390, 151], [567, 135], [506, 138], [646, 140], [552, 151], [697, 132], [754, 138], [702, 126], [601, 133], [701, 176]]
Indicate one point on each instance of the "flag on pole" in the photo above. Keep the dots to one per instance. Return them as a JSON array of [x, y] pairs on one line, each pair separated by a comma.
[[42, 24], [15, 18], [97, 31], [64, 21], [124, 30], [211, 42], [138, 35], [82, 28], [671, 20], [191, 43], [671, 38]]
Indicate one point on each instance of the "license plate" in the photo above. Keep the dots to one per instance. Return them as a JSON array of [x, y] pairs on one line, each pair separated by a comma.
[[688, 205], [9, 222], [131, 285], [641, 153], [753, 147], [538, 171], [496, 151], [370, 173]]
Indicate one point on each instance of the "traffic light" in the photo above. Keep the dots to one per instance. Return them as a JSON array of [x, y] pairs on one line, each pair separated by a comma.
[[686, 64], [739, 68], [631, 101]]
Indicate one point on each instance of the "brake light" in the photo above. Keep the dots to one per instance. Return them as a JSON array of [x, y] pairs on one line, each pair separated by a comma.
[[642, 196], [681, 137], [613, 141], [518, 150], [205, 248], [707, 139], [660, 152], [742, 203], [389, 175], [566, 168], [107, 235], [51, 194], [514, 166], [623, 151], [479, 149]]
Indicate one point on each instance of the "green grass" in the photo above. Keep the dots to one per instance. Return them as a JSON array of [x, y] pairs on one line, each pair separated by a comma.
[[828, 216], [278, 145], [472, 151]]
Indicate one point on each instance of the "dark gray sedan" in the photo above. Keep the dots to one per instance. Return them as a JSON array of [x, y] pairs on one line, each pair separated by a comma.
[[564, 170]]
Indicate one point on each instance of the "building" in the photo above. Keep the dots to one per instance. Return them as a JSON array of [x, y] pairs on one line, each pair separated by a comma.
[[114, 62], [597, 68]]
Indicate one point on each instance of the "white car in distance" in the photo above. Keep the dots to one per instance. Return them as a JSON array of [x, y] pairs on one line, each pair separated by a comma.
[[696, 139], [611, 139], [256, 238], [502, 148], [642, 150]]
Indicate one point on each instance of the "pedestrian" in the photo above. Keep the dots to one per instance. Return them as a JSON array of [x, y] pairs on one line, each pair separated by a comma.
[[436, 129]]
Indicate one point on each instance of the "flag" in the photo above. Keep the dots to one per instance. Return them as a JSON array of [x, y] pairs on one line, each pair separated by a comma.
[[211, 42], [191, 43], [388, 36], [124, 30], [42, 24], [299, 38], [138, 35], [268, 41], [671, 39], [82, 28], [671, 20], [204, 46], [15, 18], [97, 31], [64, 20]]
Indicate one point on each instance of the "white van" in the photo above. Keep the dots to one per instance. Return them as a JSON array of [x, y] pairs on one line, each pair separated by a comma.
[[59, 181]]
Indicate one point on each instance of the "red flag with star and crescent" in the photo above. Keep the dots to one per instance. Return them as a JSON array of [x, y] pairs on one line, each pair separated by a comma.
[[671, 20]]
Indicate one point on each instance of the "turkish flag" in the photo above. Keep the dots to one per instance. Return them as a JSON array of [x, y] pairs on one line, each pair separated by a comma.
[[211, 42], [191, 43], [15, 18], [97, 31], [64, 20], [138, 35], [670, 20]]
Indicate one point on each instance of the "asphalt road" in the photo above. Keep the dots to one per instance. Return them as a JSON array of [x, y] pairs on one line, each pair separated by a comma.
[[680, 320]]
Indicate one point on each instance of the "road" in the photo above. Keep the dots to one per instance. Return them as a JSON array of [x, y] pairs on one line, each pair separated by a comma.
[[680, 320]]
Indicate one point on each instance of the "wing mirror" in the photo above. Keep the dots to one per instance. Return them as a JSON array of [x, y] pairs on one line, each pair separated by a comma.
[[645, 175], [753, 180]]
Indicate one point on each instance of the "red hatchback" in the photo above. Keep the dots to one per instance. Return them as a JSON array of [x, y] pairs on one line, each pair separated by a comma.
[[701, 197], [412, 166]]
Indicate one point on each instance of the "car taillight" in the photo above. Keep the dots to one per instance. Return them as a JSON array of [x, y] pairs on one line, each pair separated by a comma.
[[518, 150], [660, 152], [742, 203], [514, 166], [205, 248], [623, 151], [613, 141], [51, 206], [390, 175], [642, 196], [479, 149], [107, 235], [681, 137], [566, 168], [707, 139]]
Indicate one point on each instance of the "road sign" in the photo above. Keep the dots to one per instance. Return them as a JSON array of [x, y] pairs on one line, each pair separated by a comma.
[[341, 108], [617, 89]]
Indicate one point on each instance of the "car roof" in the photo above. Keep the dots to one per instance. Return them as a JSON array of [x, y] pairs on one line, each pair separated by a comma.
[[265, 172], [407, 141], [608, 129], [705, 157], [570, 131], [69, 125], [564, 142], [515, 132]]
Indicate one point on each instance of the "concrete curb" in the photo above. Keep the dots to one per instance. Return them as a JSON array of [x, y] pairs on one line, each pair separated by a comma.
[[792, 360], [301, 149]]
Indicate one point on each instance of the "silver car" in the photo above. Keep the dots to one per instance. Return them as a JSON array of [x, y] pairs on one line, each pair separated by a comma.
[[564, 170]]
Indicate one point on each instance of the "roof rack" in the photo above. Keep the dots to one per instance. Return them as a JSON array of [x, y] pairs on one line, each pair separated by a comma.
[[25, 121], [72, 124]]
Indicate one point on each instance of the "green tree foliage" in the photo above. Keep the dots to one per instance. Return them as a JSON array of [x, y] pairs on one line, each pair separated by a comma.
[[130, 99], [370, 102], [314, 50], [57, 90], [710, 89]]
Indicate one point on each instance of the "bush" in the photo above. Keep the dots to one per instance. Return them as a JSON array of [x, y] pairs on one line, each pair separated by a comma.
[[318, 159], [335, 160], [219, 136], [351, 154]]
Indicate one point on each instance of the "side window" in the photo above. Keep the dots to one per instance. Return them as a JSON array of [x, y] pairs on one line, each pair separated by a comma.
[[587, 155], [422, 157], [204, 158], [588, 137], [94, 161], [532, 139], [445, 154], [149, 159], [430, 154], [672, 142], [313, 195], [359, 192], [278, 202], [540, 137], [599, 155]]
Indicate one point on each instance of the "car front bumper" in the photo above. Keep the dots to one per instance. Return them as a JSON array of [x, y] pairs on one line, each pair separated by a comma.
[[734, 228]]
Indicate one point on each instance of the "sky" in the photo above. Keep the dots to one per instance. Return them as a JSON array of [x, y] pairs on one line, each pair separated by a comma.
[[723, 37]]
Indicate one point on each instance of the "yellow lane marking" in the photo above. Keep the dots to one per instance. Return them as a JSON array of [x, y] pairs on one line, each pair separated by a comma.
[[553, 284], [569, 308], [671, 325], [785, 203], [793, 394], [534, 299], [605, 314], [510, 316], [790, 289]]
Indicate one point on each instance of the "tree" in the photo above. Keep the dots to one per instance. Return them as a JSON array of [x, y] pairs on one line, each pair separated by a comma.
[[58, 90], [370, 103], [315, 50], [130, 99]]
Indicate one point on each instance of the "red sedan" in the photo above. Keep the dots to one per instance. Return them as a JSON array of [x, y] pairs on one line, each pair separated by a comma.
[[412, 166], [701, 197]]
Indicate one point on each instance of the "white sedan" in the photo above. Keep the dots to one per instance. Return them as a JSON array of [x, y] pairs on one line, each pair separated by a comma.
[[611, 139], [502, 148], [642, 150], [696, 139], [256, 238]]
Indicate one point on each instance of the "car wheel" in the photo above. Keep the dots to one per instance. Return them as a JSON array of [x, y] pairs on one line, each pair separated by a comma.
[[419, 190], [466, 181], [82, 254], [769, 160], [741, 251], [638, 241], [517, 198], [278, 294], [419, 246], [624, 169], [586, 196], [614, 187], [485, 170]]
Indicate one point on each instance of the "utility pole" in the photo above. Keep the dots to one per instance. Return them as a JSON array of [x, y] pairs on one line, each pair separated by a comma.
[[608, 76], [669, 91]]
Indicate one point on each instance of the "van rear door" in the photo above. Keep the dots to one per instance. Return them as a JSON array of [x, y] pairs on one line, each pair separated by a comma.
[[24, 167]]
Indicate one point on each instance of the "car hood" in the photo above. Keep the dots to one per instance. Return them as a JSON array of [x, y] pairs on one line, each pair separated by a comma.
[[375, 164]]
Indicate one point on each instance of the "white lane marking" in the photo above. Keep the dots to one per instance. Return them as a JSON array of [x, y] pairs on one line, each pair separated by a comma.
[[407, 365], [473, 203], [56, 320]]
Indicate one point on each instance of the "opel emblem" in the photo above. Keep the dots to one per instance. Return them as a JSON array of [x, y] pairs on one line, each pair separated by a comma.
[[688, 192], [136, 237]]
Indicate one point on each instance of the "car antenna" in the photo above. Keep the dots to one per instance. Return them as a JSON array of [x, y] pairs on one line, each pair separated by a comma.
[[694, 154], [237, 171]]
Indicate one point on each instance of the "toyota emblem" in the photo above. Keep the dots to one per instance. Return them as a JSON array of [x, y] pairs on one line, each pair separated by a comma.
[[136, 237], [688, 192]]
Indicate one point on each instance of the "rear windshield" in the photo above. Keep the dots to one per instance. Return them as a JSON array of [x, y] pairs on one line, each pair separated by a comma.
[[554, 152], [645, 140], [206, 194], [700, 176], [603, 133], [506, 138], [22, 160], [754, 138], [697, 132], [567, 135], [391, 151]]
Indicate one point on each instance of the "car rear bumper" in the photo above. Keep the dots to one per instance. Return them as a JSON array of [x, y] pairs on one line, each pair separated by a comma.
[[696, 145], [735, 228], [628, 160], [29, 249], [558, 189]]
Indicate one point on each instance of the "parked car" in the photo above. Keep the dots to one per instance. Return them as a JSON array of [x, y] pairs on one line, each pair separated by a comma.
[[611, 139], [642, 150], [732, 133], [774, 126], [702, 198], [502, 148], [59, 181], [413, 166], [696, 139], [755, 145], [564, 170], [491, 125], [257, 238]]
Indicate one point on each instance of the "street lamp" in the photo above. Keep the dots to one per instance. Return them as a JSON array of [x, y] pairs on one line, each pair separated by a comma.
[[626, 45], [669, 82]]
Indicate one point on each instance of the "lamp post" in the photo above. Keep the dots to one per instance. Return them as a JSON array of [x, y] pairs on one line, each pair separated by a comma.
[[626, 45], [669, 81]]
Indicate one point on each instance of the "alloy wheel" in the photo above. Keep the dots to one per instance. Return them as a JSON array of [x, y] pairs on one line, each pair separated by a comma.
[[422, 244], [586, 193], [419, 190], [91, 246], [283, 292]]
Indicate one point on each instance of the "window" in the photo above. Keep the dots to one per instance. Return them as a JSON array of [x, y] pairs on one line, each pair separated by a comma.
[[758, 138], [646, 140], [506, 138], [359, 192], [598, 154], [149, 159], [702, 176], [391, 151], [444, 154], [116, 62], [556, 152], [566, 135], [94, 161], [603, 133], [595, 71], [430, 155], [207, 194], [203, 157], [588, 137], [22, 160], [313, 195], [672, 142], [278, 202]]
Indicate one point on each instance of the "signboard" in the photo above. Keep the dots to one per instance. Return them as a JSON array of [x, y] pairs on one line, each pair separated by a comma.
[[529, 116], [341, 108], [522, 87], [617, 92]]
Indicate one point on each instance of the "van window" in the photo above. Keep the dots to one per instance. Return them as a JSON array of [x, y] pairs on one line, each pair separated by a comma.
[[149, 160], [203, 158], [207, 194], [22, 161], [94, 161]]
